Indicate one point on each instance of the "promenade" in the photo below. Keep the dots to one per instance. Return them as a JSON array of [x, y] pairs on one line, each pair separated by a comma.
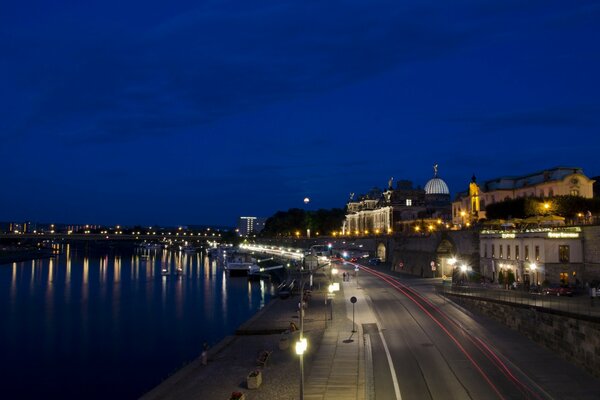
[[333, 366]]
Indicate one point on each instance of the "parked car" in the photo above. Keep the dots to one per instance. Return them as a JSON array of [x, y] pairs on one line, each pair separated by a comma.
[[558, 290], [375, 261]]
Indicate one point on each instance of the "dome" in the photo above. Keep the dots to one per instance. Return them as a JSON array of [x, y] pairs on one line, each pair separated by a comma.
[[436, 186]]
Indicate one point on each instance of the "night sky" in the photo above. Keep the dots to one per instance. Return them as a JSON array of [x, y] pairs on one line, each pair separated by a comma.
[[197, 112]]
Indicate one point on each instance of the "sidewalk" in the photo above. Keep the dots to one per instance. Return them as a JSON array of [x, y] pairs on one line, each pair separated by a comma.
[[339, 369], [334, 362]]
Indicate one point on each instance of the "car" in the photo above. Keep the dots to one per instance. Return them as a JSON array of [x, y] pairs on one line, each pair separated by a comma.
[[375, 261], [558, 290], [353, 259]]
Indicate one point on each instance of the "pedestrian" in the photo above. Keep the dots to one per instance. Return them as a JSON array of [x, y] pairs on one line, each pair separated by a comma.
[[204, 356], [344, 277]]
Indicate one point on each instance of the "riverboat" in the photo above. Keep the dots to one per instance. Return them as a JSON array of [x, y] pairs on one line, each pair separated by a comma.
[[240, 268]]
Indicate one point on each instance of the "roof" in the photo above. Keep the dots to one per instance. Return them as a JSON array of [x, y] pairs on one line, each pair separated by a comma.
[[436, 186], [516, 182]]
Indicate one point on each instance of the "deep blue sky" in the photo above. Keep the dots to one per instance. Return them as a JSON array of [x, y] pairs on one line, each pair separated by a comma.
[[197, 112]]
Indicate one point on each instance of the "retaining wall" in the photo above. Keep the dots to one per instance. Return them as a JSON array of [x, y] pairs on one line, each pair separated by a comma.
[[575, 338]]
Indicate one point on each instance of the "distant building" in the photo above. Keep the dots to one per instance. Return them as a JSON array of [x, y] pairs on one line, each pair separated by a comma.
[[250, 225], [470, 205], [386, 211], [18, 227]]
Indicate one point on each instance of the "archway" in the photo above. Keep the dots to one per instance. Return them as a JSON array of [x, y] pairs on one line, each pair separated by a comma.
[[446, 253], [381, 252]]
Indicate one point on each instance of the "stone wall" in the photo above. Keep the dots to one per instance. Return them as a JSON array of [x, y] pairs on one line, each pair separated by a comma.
[[575, 338], [591, 252]]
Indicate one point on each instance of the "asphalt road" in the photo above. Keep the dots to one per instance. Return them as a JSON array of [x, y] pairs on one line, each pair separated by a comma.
[[424, 347]]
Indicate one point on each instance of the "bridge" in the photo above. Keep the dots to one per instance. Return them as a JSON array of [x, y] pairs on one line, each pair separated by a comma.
[[113, 236]]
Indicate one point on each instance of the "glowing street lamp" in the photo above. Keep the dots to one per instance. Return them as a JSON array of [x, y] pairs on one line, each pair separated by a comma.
[[534, 267], [301, 346]]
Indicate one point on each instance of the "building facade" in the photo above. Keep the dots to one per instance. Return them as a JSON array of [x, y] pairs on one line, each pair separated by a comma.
[[543, 255], [250, 225], [470, 206], [387, 211]]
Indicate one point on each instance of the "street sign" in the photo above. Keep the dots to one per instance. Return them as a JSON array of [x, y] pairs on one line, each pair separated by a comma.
[[352, 299]]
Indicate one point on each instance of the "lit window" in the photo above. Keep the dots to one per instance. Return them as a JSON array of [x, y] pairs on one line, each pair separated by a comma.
[[564, 253], [409, 202]]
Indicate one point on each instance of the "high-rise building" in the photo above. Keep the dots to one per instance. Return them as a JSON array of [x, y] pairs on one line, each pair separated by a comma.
[[250, 225]]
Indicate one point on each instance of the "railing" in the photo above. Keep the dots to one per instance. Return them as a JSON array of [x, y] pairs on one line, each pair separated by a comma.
[[580, 303]]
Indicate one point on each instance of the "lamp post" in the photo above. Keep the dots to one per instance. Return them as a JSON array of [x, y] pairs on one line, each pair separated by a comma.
[[301, 346], [302, 343], [533, 267]]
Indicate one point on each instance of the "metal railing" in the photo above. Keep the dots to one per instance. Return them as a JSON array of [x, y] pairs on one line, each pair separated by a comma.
[[579, 304]]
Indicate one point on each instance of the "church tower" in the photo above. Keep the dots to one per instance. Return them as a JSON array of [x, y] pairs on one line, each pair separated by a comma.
[[474, 196]]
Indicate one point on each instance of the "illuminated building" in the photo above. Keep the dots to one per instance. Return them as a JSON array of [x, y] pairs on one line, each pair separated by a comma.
[[470, 206], [250, 225], [387, 211], [534, 256]]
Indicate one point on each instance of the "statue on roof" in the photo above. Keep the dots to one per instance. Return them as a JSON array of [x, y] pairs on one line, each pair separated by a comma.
[[435, 170], [390, 182], [351, 196]]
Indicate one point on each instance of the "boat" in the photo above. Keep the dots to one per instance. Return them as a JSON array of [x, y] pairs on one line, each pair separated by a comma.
[[240, 268]]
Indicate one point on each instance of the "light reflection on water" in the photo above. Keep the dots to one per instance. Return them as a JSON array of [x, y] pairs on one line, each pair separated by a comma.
[[92, 320]]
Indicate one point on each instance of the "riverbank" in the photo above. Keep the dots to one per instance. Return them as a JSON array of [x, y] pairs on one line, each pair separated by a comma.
[[232, 359]]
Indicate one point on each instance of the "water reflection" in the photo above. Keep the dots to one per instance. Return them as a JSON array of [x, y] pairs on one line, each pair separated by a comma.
[[107, 310]]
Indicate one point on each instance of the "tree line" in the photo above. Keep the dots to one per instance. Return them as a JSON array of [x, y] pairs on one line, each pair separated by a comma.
[[295, 222], [523, 207]]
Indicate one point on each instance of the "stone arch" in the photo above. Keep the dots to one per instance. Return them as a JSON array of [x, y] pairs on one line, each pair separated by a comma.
[[381, 251], [446, 250]]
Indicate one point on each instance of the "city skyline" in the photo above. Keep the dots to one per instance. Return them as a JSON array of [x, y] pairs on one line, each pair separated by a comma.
[[198, 114]]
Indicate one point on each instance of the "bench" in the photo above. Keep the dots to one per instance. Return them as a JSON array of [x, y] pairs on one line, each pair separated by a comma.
[[262, 358]]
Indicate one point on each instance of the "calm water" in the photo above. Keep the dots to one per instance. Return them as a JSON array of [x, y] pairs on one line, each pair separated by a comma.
[[105, 323]]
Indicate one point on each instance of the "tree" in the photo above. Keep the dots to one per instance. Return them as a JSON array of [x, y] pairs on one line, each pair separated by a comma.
[[286, 223]]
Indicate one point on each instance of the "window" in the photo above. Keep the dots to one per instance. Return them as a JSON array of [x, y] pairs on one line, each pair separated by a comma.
[[508, 251], [485, 250], [526, 253], [493, 251], [516, 252], [564, 253], [537, 253], [550, 193], [574, 192], [501, 250], [409, 202]]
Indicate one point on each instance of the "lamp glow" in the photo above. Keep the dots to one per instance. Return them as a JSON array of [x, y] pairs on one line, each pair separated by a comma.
[[301, 346]]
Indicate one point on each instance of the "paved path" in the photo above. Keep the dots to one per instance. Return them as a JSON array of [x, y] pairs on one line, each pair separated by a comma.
[[334, 363], [338, 371]]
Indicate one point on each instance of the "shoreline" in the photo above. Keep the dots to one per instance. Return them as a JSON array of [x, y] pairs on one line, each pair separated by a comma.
[[234, 357]]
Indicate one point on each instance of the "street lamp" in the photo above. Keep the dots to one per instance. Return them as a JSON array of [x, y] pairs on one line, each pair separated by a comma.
[[301, 346], [533, 267]]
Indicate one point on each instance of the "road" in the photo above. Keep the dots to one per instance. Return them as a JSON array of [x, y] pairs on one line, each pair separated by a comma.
[[424, 347]]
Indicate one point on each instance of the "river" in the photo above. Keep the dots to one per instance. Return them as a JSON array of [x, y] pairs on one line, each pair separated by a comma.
[[106, 323]]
